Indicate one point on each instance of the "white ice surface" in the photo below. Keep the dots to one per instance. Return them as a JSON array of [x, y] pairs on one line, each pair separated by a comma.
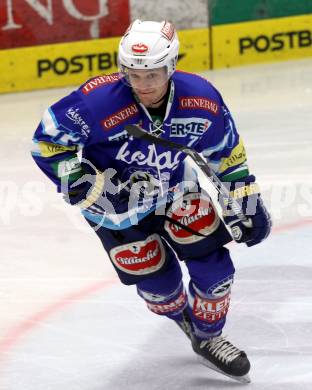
[[108, 340]]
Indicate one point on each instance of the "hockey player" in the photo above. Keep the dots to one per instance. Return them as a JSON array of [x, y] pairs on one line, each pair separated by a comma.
[[143, 200]]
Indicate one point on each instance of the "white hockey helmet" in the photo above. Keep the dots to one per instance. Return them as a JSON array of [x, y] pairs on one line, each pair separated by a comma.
[[148, 45]]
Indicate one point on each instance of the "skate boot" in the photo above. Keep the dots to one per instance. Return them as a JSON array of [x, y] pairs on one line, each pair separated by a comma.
[[217, 353], [220, 355]]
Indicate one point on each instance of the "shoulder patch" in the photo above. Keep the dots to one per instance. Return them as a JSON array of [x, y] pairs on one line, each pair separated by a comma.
[[100, 81], [198, 103], [49, 149], [237, 157]]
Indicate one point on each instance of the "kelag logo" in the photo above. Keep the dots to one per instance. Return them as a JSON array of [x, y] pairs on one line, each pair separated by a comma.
[[77, 64], [279, 41]]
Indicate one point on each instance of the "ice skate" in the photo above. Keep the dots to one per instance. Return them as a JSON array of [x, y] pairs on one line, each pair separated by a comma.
[[217, 353], [220, 355]]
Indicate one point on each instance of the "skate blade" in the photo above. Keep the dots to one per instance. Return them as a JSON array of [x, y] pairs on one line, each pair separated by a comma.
[[245, 379]]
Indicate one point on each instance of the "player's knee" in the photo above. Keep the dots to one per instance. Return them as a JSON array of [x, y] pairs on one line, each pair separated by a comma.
[[210, 271]]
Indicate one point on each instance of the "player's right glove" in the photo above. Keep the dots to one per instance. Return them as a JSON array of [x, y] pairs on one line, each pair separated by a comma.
[[97, 192], [246, 192]]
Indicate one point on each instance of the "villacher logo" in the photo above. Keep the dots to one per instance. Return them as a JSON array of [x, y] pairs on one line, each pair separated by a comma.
[[141, 257]]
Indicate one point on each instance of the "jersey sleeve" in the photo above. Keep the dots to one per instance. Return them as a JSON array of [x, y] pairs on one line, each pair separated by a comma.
[[64, 130], [223, 147]]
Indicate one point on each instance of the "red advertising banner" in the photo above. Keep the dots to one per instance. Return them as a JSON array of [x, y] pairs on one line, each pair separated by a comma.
[[38, 22]]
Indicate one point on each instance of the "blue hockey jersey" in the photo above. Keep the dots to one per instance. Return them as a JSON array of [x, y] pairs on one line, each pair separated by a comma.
[[89, 123]]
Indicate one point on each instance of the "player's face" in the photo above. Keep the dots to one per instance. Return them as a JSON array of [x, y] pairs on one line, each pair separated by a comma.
[[149, 85]]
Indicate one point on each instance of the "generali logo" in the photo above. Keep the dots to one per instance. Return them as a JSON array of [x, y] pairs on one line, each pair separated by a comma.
[[139, 48], [198, 103], [100, 81], [120, 116]]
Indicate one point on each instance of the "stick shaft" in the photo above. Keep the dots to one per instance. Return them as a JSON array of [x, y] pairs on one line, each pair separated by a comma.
[[138, 132]]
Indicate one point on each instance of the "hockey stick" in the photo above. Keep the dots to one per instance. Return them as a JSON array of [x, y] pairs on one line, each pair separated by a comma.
[[138, 132]]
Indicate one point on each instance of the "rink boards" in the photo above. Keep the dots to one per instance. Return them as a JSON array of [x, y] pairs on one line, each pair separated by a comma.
[[261, 41], [64, 64], [219, 46]]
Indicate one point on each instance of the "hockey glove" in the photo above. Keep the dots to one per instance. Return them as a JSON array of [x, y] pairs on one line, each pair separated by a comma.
[[259, 224], [97, 192]]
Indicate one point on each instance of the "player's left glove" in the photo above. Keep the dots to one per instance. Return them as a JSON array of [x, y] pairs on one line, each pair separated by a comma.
[[247, 194]]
